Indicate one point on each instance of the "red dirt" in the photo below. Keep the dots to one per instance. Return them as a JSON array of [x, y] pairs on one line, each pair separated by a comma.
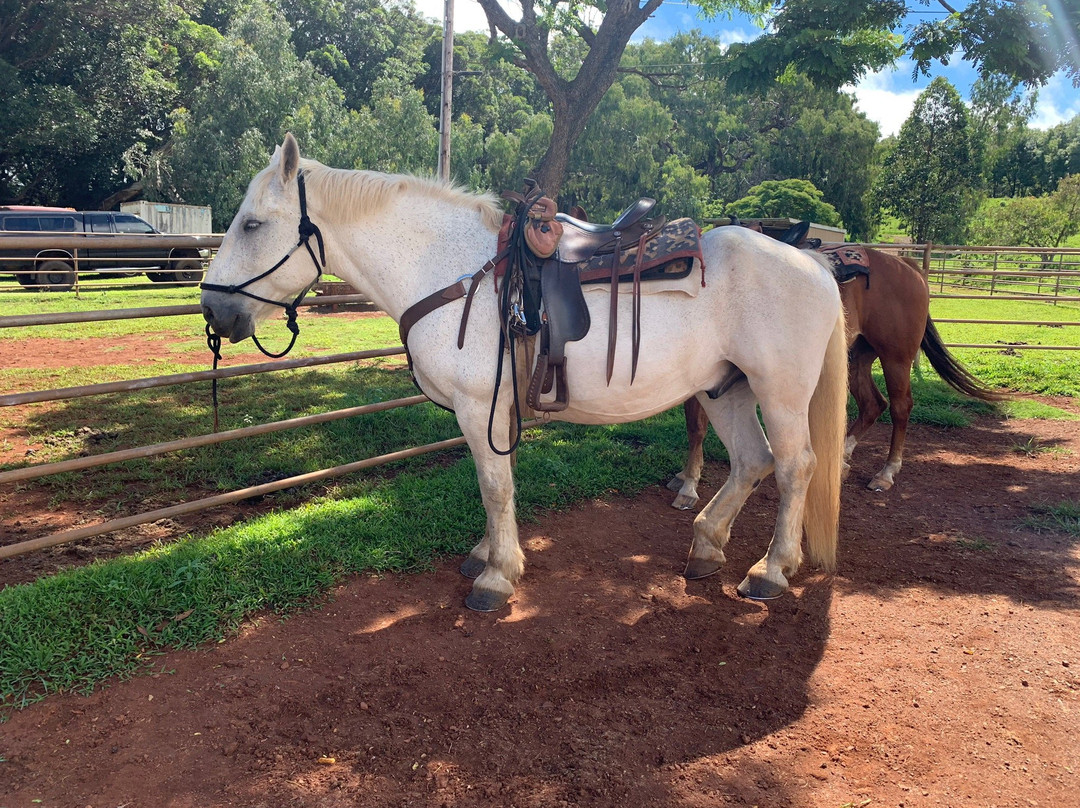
[[939, 667]]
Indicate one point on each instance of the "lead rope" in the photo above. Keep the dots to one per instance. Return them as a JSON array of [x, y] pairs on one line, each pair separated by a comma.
[[213, 342], [512, 312]]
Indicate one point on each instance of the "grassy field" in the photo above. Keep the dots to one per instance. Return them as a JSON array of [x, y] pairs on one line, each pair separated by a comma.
[[77, 628]]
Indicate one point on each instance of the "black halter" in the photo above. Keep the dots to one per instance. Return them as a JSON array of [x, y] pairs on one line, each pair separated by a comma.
[[307, 229]]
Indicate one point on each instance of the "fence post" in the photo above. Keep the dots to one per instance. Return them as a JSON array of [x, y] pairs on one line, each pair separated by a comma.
[[993, 275]]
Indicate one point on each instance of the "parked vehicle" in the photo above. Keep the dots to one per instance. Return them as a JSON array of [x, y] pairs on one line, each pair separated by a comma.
[[53, 269]]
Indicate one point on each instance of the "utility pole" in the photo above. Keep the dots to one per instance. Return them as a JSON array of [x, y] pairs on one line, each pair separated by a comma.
[[447, 90]]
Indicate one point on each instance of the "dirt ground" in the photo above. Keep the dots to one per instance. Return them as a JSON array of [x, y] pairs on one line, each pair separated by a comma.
[[939, 667]]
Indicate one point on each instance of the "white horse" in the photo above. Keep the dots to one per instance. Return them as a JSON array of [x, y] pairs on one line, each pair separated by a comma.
[[767, 331]]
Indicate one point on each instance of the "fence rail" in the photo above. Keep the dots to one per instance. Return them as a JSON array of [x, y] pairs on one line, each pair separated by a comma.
[[1008, 274], [997, 273]]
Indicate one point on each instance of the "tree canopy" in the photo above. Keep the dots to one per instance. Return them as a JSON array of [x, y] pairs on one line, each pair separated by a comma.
[[184, 102]]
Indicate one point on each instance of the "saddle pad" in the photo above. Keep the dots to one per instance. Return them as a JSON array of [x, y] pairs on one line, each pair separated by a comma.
[[669, 255], [848, 261]]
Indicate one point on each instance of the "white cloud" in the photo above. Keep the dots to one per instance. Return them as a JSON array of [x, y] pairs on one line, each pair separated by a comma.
[[468, 16], [1058, 102], [876, 98]]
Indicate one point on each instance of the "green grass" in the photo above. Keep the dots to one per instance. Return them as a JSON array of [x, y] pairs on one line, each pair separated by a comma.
[[1054, 373], [77, 629], [1063, 517]]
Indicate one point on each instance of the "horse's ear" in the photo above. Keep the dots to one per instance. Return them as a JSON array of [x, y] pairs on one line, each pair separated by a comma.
[[290, 159]]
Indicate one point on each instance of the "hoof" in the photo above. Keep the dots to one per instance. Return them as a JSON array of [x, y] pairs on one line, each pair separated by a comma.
[[756, 588], [675, 484], [471, 567], [879, 485], [845, 472], [486, 600], [701, 568], [684, 503]]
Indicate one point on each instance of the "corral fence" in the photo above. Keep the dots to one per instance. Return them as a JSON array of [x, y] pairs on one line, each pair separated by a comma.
[[1051, 277], [1048, 276]]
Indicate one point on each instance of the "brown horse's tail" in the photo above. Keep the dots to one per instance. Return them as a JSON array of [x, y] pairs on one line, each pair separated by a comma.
[[949, 368], [828, 421]]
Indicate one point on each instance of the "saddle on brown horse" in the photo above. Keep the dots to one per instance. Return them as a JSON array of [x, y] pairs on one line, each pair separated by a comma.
[[847, 261]]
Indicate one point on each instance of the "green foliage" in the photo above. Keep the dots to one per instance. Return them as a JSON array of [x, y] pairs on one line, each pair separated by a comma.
[[83, 81], [833, 43], [797, 199], [1046, 221], [598, 180], [931, 178], [1025, 40]]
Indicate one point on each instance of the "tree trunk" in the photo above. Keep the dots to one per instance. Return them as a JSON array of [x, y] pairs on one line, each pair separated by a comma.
[[572, 102]]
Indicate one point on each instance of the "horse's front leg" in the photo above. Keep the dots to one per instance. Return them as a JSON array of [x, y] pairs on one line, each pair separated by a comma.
[[497, 561]]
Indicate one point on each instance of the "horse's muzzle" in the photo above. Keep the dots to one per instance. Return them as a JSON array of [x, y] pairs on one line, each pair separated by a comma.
[[226, 319]]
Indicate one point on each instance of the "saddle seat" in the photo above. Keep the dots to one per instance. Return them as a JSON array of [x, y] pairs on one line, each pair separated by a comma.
[[581, 240]]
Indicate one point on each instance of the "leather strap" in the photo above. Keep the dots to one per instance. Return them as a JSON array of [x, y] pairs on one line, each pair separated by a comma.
[[613, 309], [637, 305]]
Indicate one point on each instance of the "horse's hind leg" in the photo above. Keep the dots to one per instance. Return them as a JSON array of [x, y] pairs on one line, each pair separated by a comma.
[[898, 383], [794, 461], [734, 417], [868, 398], [686, 481]]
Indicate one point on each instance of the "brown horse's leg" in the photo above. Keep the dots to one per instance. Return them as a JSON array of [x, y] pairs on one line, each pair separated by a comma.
[[685, 482], [868, 398], [898, 382]]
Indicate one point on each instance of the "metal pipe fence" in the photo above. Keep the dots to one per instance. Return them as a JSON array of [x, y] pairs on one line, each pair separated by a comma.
[[41, 470], [1005, 274]]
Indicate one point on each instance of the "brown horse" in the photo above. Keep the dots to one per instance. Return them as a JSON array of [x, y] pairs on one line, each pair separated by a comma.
[[888, 318]]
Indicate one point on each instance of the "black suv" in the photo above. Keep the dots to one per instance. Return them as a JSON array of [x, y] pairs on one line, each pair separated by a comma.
[[53, 269]]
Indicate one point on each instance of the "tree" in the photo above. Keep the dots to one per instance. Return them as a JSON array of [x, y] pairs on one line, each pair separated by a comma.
[[260, 91], [83, 81], [776, 199], [573, 98], [626, 116], [931, 178], [1023, 221], [835, 43], [351, 41]]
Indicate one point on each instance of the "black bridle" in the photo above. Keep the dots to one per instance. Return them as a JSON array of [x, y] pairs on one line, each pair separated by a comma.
[[307, 229]]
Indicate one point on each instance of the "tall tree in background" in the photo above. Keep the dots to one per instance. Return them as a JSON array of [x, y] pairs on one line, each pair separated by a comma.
[[260, 91], [930, 180]]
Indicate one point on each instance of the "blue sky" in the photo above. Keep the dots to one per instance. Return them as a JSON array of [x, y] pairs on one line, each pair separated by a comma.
[[885, 97]]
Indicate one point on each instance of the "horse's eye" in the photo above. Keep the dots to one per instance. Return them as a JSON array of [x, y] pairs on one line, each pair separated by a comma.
[[251, 224]]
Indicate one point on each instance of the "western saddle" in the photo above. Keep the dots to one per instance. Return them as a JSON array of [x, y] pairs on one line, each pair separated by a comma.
[[543, 260]]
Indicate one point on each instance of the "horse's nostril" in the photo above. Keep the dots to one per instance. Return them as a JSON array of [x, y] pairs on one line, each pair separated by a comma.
[[208, 314]]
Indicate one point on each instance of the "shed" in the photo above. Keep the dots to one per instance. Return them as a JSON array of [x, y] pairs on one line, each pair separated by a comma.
[[169, 217]]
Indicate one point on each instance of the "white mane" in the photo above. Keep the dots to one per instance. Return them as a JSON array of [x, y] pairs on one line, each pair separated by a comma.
[[358, 193]]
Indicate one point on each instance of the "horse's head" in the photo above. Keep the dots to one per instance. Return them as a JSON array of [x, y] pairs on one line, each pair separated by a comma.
[[266, 261]]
